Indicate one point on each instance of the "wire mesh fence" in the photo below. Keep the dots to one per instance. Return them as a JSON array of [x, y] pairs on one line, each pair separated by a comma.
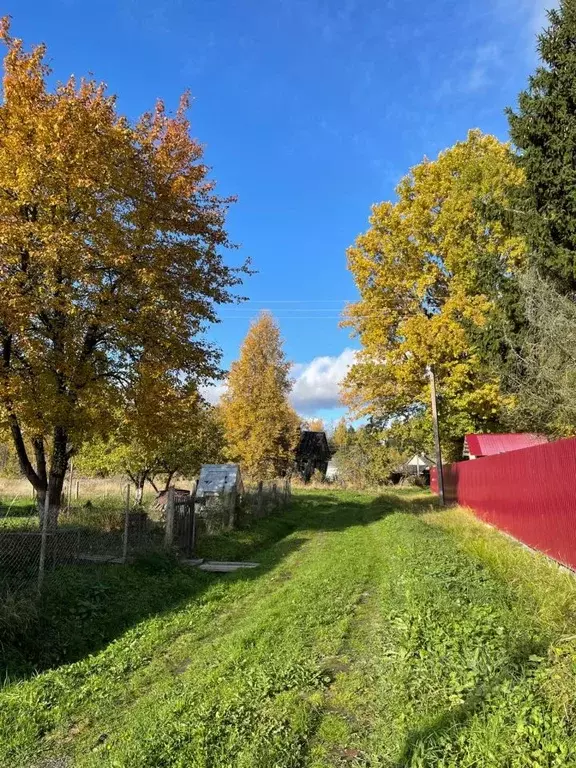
[[113, 531]]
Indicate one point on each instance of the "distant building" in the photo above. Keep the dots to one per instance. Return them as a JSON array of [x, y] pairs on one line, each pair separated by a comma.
[[312, 454], [216, 479], [478, 446], [419, 464]]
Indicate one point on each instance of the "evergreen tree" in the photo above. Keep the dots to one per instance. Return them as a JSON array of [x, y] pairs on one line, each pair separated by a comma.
[[544, 130], [261, 427]]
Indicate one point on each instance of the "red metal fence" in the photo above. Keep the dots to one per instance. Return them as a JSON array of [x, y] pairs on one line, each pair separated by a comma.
[[530, 494]]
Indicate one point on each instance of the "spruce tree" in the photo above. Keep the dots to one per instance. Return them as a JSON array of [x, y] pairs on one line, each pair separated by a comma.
[[543, 128]]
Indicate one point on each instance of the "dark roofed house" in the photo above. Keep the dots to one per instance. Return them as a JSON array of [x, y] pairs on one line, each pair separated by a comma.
[[312, 453], [477, 446]]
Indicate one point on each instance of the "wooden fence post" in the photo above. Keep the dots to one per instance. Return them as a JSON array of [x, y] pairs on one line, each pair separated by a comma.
[[275, 495], [259, 499], [191, 543], [170, 514], [232, 508], [77, 489], [126, 525]]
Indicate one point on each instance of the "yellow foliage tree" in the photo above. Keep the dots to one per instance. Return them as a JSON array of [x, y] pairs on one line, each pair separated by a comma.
[[421, 270], [315, 425], [261, 428], [342, 434], [163, 428], [109, 245]]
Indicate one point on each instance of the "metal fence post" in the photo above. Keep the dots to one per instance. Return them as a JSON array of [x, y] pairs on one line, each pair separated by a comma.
[[43, 542], [70, 482], [170, 514], [126, 525]]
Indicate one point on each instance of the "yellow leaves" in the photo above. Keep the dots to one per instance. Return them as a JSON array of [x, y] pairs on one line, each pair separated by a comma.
[[260, 426], [421, 270], [110, 238]]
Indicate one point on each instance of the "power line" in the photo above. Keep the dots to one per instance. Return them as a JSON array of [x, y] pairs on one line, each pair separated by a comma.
[[297, 301]]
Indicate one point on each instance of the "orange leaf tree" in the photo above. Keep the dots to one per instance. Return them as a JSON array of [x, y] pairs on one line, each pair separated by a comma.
[[260, 426], [110, 238]]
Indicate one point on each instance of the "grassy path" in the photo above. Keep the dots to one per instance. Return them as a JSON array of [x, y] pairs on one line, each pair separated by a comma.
[[370, 636]]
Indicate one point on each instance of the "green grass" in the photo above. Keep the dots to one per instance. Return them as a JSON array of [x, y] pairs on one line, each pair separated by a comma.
[[375, 633]]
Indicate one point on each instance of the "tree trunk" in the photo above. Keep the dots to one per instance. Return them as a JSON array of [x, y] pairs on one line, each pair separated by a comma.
[[139, 482], [58, 467]]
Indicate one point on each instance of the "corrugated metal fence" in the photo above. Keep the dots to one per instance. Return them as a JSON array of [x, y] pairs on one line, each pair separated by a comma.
[[530, 494]]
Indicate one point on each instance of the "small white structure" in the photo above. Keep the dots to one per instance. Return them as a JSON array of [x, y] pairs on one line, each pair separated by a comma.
[[217, 479], [418, 464], [217, 495], [331, 471]]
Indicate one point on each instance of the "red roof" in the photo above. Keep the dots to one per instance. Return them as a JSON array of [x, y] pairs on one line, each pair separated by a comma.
[[490, 445]]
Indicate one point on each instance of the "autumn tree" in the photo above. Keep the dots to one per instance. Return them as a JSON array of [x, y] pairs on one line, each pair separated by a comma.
[[342, 434], [110, 251], [366, 460], [261, 428], [429, 271], [164, 428]]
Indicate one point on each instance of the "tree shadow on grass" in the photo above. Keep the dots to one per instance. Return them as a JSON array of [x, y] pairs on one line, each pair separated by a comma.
[[84, 608]]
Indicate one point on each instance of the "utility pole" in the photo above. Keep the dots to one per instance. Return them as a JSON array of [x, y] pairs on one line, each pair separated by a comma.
[[439, 468]]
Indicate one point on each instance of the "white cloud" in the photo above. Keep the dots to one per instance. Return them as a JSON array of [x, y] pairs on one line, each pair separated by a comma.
[[516, 25], [213, 392], [317, 383]]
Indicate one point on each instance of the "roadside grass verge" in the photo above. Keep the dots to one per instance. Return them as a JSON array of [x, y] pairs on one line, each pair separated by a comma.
[[545, 589]]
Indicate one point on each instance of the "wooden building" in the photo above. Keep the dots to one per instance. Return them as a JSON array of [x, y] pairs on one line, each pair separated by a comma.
[[312, 454]]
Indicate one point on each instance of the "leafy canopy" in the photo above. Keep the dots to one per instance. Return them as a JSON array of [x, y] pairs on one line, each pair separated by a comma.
[[421, 270], [110, 256], [165, 429]]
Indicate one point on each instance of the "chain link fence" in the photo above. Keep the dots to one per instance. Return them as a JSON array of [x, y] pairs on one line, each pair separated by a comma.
[[114, 532]]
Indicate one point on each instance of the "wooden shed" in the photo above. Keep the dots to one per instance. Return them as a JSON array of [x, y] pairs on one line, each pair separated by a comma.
[[312, 454]]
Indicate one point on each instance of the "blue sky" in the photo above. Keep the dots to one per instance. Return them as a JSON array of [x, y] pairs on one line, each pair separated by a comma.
[[310, 110]]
